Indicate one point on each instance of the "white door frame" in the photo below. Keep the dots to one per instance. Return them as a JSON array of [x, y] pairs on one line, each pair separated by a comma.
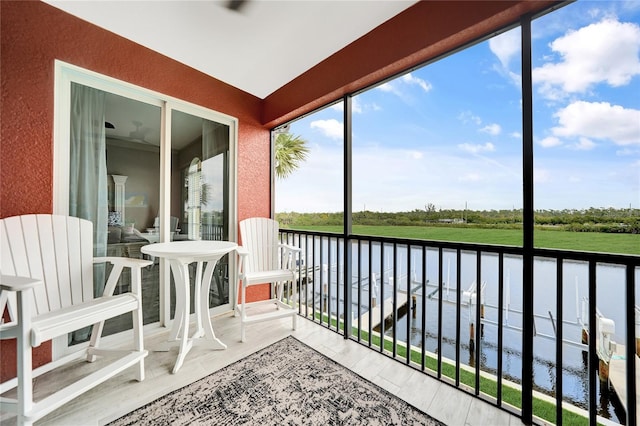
[[65, 74]]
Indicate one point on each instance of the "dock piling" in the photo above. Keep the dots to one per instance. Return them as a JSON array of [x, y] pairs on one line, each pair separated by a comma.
[[472, 342], [414, 302]]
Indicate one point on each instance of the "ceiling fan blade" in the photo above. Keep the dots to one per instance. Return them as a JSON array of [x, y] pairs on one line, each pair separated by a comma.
[[236, 5]]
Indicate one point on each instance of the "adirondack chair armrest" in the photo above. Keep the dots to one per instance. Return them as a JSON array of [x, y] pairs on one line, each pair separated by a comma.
[[119, 263], [126, 262], [16, 283], [243, 254], [19, 285], [242, 251], [290, 248], [289, 252]]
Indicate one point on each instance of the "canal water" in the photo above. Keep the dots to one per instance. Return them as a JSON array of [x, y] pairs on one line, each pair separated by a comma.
[[610, 284]]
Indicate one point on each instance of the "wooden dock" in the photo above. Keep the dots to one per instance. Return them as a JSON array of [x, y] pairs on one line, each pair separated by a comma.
[[618, 378], [363, 322]]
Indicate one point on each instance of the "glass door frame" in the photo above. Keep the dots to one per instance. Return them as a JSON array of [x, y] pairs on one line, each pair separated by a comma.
[[65, 74]]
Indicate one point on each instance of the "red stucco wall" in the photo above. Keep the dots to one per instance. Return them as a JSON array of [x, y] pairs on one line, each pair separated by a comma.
[[34, 34]]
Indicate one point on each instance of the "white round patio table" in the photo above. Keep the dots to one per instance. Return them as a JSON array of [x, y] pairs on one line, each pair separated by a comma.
[[180, 254]]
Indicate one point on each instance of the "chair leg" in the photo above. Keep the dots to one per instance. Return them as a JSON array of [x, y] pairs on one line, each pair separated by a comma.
[[24, 357], [25, 385], [96, 334], [243, 313], [294, 295], [136, 316], [138, 340]]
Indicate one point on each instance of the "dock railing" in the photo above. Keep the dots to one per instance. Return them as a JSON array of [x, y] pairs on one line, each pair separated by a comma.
[[400, 300]]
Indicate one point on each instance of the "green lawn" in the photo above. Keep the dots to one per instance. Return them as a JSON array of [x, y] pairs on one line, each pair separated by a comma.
[[546, 238]]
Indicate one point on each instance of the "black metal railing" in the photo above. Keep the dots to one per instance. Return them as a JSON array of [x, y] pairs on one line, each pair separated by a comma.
[[414, 300]]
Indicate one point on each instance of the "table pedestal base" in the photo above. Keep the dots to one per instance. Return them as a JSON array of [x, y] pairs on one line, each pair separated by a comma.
[[204, 335]]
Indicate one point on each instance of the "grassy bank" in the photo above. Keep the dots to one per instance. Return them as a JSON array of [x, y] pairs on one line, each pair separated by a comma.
[[546, 238]]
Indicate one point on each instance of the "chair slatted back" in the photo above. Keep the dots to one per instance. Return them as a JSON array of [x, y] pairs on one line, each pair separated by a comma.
[[55, 249], [259, 236]]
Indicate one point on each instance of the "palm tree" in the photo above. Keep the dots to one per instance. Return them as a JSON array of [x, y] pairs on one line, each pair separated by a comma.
[[290, 151]]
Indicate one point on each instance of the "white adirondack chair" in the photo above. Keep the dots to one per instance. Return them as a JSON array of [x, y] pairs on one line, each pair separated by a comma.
[[47, 280], [263, 259]]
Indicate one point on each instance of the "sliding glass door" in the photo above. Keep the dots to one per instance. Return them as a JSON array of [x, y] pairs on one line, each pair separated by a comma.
[[144, 168]]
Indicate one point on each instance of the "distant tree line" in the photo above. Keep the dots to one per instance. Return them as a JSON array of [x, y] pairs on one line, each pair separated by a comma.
[[587, 220]]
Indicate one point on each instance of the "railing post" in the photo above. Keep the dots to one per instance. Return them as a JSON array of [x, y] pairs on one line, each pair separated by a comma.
[[527, 223], [347, 270], [458, 312], [559, 338], [592, 364], [631, 346]]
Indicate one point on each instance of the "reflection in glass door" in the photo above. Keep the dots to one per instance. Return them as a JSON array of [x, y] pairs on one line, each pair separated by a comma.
[[200, 168]]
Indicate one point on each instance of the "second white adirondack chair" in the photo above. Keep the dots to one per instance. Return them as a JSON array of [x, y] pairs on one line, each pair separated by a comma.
[[263, 259], [47, 286]]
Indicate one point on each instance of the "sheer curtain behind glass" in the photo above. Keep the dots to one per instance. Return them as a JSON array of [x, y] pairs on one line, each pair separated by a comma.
[[88, 168]]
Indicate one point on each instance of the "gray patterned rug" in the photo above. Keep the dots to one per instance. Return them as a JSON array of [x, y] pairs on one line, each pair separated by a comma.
[[286, 383]]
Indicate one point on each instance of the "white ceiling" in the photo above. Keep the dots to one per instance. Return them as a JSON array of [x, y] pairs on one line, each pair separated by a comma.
[[259, 48]]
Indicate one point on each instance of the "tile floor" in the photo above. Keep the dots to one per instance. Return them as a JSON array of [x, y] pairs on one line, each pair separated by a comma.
[[122, 393]]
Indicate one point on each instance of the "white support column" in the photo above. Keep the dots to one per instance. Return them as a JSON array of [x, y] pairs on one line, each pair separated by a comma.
[[118, 195]]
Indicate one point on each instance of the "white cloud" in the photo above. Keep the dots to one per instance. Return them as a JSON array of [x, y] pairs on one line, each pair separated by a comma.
[[470, 177], [492, 129], [627, 151], [584, 144], [606, 51], [550, 141], [331, 128], [469, 117], [475, 149], [316, 186], [356, 106], [389, 88], [388, 178], [411, 79], [505, 46], [338, 107], [630, 5], [516, 135], [599, 120], [415, 155], [541, 176], [407, 79]]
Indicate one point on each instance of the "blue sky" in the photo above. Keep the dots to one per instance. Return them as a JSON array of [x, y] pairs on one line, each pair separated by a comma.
[[449, 134]]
